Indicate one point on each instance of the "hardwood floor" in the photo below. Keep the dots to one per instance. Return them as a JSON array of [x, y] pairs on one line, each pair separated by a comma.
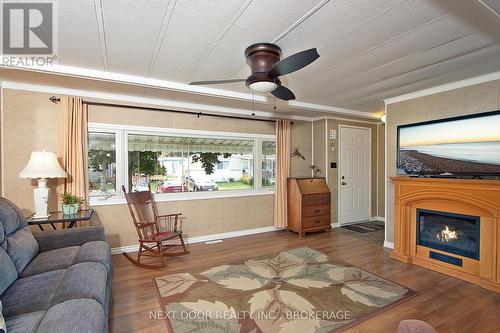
[[447, 303]]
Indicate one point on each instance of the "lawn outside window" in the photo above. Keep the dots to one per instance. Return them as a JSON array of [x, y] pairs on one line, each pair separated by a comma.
[[178, 164]]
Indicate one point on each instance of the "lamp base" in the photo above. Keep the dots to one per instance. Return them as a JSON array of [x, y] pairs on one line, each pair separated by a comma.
[[41, 194]]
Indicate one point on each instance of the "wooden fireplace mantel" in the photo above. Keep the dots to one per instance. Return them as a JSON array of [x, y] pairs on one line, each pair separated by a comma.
[[474, 197]]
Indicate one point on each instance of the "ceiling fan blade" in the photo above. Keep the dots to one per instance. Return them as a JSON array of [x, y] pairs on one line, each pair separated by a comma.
[[283, 93], [199, 83], [294, 62]]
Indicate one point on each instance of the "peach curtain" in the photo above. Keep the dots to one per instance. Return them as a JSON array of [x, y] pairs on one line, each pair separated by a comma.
[[283, 151], [73, 146]]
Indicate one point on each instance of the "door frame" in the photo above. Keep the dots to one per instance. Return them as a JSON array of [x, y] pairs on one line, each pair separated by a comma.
[[339, 162]]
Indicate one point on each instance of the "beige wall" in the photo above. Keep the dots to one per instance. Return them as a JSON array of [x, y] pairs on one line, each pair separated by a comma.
[[141, 117], [319, 148], [469, 100], [200, 217], [30, 122], [301, 139]]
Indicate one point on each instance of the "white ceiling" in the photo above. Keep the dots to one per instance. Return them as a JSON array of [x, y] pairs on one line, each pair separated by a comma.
[[370, 49]]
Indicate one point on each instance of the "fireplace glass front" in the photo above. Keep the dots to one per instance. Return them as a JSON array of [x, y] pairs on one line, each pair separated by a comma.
[[449, 232]]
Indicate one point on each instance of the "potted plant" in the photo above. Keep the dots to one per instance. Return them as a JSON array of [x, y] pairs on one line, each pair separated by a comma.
[[71, 203]]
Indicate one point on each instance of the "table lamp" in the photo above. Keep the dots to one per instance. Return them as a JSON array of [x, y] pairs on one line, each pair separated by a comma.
[[42, 165]]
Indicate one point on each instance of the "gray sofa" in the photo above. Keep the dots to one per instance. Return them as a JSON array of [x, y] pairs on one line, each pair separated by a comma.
[[53, 281]]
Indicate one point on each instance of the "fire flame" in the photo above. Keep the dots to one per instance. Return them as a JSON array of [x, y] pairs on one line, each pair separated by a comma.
[[447, 235]]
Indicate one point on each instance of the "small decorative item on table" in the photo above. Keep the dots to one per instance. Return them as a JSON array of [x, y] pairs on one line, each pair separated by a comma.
[[71, 203]]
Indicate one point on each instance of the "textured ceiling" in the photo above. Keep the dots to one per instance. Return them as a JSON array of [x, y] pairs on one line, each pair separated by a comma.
[[370, 49]]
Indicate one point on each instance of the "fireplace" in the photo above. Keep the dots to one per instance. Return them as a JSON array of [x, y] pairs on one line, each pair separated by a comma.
[[449, 232], [451, 226]]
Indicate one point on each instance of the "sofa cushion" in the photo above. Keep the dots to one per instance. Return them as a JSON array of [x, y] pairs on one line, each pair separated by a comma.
[[81, 315], [85, 280], [25, 323], [22, 247], [51, 261], [96, 251], [3, 327], [8, 272], [17, 240], [31, 294], [11, 217], [74, 316]]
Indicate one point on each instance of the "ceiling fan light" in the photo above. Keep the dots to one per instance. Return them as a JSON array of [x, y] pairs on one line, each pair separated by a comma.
[[263, 86]]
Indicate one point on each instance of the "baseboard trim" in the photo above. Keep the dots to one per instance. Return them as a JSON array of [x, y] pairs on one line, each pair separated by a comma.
[[202, 239], [335, 225], [389, 245], [377, 218]]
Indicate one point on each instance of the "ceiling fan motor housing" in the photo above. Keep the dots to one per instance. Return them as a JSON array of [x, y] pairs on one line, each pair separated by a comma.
[[267, 66], [261, 58]]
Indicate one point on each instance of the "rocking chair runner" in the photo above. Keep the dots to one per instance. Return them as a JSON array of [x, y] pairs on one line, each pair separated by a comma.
[[147, 222]]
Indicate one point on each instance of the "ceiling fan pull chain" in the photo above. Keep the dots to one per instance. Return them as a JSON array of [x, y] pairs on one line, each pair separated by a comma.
[[253, 103]]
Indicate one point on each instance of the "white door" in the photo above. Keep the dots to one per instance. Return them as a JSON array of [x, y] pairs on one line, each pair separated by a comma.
[[354, 174]]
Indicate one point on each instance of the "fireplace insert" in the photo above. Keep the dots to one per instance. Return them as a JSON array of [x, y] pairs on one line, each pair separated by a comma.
[[449, 232]]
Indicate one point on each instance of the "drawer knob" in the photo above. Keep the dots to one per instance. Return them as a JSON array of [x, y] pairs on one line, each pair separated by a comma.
[[317, 210], [317, 222]]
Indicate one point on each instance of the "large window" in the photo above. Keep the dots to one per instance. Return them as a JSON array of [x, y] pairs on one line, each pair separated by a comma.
[[175, 161]]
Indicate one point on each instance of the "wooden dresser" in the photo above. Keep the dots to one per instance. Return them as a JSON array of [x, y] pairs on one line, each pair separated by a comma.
[[308, 205]]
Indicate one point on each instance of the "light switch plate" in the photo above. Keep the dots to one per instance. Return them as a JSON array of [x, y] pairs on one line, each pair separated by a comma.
[[333, 134]]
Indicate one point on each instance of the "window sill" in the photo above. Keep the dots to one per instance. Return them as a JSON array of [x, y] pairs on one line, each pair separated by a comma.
[[184, 197]]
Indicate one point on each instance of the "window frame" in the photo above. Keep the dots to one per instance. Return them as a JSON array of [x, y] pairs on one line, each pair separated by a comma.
[[121, 141], [261, 160]]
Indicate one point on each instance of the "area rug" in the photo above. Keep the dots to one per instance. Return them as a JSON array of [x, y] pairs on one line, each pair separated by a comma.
[[364, 227], [300, 290]]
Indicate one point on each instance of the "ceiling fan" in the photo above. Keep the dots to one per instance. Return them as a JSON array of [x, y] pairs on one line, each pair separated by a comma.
[[266, 66]]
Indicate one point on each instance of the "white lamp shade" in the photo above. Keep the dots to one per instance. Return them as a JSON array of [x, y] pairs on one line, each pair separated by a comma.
[[42, 164], [263, 86], [383, 118]]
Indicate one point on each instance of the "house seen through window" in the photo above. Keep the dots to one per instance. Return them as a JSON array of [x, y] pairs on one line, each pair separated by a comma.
[[181, 164]]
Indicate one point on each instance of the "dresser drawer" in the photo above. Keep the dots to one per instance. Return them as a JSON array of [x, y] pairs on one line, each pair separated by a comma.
[[315, 221], [316, 200], [316, 211]]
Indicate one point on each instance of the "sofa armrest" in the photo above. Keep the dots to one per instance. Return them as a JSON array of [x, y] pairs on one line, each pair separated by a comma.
[[56, 239]]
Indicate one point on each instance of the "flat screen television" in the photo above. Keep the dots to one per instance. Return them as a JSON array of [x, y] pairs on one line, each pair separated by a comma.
[[468, 145]]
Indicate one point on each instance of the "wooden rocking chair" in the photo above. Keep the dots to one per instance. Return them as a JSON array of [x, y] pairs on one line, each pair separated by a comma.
[[153, 230]]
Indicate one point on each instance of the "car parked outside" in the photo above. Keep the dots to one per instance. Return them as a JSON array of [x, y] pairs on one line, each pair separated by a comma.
[[170, 187], [141, 186], [200, 184]]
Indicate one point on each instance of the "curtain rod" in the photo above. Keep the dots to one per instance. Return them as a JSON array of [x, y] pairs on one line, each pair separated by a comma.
[[56, 100]]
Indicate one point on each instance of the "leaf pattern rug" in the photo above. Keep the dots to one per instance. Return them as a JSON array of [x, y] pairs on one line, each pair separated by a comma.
[[300, 290]]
